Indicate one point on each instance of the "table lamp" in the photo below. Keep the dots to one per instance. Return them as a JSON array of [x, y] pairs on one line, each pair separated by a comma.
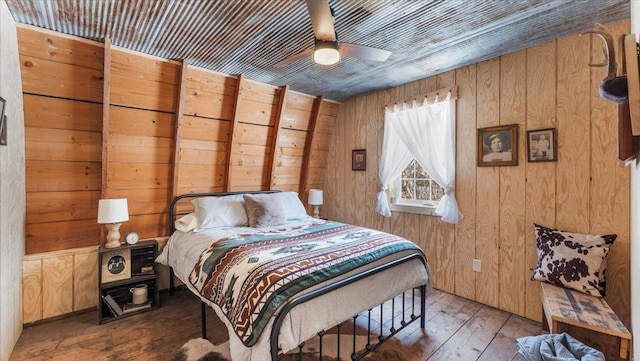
[[111, 213], [315, 199]]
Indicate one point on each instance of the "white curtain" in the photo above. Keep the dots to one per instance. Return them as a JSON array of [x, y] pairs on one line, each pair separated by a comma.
[[395, 158], [423, 133]]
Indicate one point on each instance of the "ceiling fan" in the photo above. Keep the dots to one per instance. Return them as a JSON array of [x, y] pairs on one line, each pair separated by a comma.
[[327, 50]]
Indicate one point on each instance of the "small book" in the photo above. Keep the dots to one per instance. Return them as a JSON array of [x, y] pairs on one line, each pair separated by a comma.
[[108, 306], [115, 308], [132, 307]]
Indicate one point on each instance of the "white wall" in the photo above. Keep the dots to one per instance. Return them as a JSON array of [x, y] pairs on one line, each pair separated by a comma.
[[12, 188], [635, 219]]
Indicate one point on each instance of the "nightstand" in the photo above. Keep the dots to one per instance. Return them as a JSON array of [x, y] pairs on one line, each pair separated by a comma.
[[122, 269]]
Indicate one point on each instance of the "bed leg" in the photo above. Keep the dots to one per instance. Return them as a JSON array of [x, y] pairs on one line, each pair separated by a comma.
[[423, 305], [203, 319], [172, 289]]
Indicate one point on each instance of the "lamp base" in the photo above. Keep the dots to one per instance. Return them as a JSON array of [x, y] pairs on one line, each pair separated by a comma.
[[316, 211], [113, 236]]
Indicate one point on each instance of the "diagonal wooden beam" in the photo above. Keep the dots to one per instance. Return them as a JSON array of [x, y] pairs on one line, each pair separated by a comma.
[[106, 103], [177, 156], [232, 131], [276, 137], [308, 145]]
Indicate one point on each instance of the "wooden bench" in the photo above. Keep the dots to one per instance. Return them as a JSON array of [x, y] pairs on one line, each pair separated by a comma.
[[586, 318]]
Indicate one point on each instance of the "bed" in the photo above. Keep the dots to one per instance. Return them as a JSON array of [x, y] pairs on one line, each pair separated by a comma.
[[280, 277]]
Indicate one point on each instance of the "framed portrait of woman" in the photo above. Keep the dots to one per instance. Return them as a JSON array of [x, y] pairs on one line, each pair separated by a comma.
[[498, 146]]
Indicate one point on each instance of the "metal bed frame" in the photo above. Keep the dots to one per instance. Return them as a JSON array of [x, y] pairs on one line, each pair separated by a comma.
[[297, 300]]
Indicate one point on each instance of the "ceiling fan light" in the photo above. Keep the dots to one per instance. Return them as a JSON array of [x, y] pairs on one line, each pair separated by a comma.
[[326, 52]]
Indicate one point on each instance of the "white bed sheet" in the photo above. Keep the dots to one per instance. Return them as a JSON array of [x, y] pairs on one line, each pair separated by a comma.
[[306, 320]]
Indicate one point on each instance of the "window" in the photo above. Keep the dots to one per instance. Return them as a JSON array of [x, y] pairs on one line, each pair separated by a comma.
[[417, 187], [425, 134], [415, 191]]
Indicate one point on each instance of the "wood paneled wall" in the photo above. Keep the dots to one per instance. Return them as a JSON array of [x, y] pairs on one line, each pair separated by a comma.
[[60, 282], [105, 122], [586, 190], [62, 85]]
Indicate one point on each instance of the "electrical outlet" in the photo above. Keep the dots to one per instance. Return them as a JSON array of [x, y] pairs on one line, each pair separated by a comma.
[[477, 265]]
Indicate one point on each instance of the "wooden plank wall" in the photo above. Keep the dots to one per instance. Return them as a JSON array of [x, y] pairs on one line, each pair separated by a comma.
[[147, 129], [105, 122], [253, 133], [204, 132], [294, 125], [60, 282], [139, 143], [586, 190], [62, 85]]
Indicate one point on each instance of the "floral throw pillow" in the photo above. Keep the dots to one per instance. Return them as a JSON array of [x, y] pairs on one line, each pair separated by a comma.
[[572, 260]]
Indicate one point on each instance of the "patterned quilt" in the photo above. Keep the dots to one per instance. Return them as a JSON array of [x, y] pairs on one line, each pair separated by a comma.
[[249, 276]]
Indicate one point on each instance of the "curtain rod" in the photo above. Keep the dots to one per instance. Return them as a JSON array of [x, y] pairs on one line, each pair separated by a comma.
[[441, 93]]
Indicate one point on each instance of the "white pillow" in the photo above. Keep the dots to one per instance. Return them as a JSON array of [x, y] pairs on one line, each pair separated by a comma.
[[186, 223], [293, 207], [227, 211]]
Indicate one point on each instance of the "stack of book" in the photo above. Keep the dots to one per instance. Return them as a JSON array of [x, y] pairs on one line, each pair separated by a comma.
[[132, 307], [128, 307]]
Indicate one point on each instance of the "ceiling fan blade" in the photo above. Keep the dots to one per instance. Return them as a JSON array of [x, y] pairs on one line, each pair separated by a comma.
[[363, 52], [321, 19], [293, 58]]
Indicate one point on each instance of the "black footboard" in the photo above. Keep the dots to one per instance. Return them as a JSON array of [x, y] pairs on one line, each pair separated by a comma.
[[275, 331], [394, 322], [372, 342], [375, 338]]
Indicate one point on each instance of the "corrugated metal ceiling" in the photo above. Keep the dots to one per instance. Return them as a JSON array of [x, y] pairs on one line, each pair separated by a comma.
[[248, 37]]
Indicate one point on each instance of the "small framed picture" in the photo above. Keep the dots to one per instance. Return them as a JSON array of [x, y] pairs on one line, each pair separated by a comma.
[[359, 159], [3, 123], [498, 146], [116, 265], [2, 105], [542, 145]]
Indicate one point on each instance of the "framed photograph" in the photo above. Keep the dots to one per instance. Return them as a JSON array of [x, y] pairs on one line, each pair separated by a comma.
[[359, 159], [542, 145], [498, 146], [116, 265]]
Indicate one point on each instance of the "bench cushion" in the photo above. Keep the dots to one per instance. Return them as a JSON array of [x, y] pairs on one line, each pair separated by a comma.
[[572, 260]]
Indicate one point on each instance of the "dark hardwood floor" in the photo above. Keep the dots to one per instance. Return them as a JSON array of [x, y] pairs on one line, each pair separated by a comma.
[[457, 329]]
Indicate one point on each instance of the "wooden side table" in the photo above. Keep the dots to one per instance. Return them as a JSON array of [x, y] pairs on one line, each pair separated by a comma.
[[119, 270]]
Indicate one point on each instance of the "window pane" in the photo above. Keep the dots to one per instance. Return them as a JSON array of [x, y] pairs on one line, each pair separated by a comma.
[[420, 173], [409, 171], [438, 192], [416, 184], [407, 189], [422, 190]]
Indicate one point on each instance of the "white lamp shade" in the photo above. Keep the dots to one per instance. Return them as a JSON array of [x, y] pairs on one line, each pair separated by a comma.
[[315, 197], [113, 210]]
